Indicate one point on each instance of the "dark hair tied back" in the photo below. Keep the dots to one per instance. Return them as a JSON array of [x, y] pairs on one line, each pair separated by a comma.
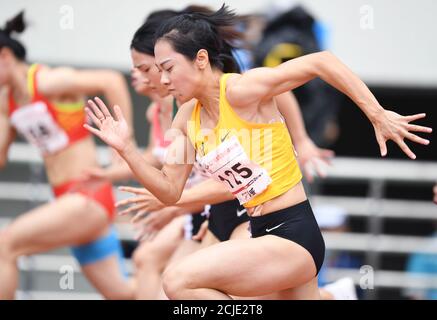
[[17, 25], [216, 32]]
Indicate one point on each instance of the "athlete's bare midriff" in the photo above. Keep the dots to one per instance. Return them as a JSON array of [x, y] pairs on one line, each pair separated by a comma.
[[293, 196], [69, 164]]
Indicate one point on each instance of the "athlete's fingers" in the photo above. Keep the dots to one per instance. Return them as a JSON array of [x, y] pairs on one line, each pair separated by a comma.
[[309, 171], [416, 138], [131, 209], [320, 165], [98, 113], [118, 114], [133, 190], [138, 216], [94, 131], [416, 128], [103, 107], [202, 231], [415, 117], [406, 149], [129, 201], [93, 117], [382, 145], [327, 155]]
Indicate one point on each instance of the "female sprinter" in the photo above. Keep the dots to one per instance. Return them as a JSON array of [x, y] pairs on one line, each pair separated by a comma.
[[231, 134], [46, 106]]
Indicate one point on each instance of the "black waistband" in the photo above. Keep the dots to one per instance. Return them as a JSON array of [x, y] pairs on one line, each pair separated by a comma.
[[282, 214]]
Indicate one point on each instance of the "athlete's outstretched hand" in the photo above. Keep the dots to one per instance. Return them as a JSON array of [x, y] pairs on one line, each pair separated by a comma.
[[312, 159], [392, 126], [143, 200], [114, 131]]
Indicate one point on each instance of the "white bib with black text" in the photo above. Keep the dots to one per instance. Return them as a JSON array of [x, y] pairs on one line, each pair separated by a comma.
[[229, 164], [37, 125]]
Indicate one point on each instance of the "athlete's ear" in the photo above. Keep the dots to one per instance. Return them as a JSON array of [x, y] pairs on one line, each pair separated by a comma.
[[5, 52], [202, 59]]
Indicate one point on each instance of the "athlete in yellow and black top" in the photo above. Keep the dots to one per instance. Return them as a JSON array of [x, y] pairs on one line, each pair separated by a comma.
[[285, 252]]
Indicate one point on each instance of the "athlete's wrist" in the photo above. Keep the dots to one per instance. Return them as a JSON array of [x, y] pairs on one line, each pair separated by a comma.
[[375, 113], [128, 149]]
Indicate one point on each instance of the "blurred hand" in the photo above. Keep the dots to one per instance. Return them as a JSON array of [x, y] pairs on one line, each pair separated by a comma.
[[143, 201], [202, 231], [152, 223], [313, 159]]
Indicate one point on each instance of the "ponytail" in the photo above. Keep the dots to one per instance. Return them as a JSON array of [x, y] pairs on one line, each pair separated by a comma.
[[17, 25]]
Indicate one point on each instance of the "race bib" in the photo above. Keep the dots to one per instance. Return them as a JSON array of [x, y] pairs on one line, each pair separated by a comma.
[[37, 125], [229, 164]]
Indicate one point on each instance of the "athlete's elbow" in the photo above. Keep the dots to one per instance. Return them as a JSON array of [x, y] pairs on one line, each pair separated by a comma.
[[325, 56], [320, 64], [170, 198], [323, 59]]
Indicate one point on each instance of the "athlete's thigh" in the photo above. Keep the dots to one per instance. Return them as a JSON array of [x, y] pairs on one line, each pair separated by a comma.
[[241, 231], [249, 267], [185, 248], [69, 220], [208, 240]]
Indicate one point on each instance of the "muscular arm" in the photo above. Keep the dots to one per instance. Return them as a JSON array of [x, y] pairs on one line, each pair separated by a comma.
[[61, 81], [166, 184], [205, 192], [264, 83]]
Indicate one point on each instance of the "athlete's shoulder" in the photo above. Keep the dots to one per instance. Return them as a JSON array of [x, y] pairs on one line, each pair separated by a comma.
[[232, 88], [184, 115], [242, 90], [232, 79]]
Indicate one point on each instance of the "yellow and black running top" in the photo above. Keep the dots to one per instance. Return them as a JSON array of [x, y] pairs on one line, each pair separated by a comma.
[[267, 144]]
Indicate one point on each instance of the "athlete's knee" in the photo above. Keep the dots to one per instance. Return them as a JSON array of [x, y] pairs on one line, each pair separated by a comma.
[[128, 293], [176, 280], [149, 256], [7, 251]]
